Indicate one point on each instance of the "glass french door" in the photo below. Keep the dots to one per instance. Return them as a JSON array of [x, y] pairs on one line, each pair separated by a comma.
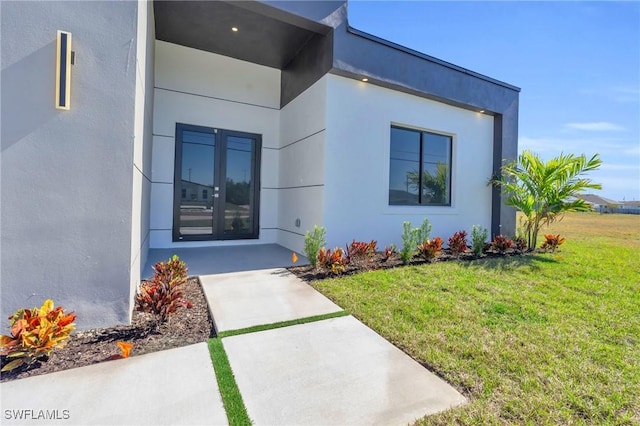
[[216, 184]]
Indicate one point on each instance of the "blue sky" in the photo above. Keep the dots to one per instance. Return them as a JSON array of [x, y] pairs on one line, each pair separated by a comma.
[[578, 64]]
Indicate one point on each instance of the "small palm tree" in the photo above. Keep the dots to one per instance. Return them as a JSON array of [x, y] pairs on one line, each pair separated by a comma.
[[544, 191], [434, 187]]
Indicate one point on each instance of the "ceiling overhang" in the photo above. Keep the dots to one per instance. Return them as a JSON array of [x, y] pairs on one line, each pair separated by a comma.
[[265, 35]]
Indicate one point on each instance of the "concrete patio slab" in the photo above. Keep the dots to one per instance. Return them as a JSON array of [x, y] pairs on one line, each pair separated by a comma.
[[335, 371], [245, 299], [176, 386], [225, 259]]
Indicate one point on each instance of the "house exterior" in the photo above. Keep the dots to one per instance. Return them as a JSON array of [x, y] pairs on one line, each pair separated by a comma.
[[600, 204], [630, 205], [207, 123]]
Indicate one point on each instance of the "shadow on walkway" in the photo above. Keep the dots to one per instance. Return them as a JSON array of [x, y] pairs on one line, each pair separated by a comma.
[[220, 260]]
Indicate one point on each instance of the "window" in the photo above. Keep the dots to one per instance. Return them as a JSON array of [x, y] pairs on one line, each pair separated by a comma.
[[205, 194], [419, 168]]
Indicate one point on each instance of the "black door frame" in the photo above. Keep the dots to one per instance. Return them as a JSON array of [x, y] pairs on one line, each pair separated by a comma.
[[220, 175]]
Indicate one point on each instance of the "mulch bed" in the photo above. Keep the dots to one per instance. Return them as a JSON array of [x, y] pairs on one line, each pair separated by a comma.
[[188, 326], [378, 261]]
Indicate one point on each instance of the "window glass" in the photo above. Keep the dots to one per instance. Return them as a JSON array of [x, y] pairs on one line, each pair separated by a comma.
[[196, 178], [237, 208], [419, 168], [435, 169], [404, 166]]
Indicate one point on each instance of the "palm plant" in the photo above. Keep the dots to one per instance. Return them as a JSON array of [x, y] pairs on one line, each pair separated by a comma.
[[543, 191], [434, 187]]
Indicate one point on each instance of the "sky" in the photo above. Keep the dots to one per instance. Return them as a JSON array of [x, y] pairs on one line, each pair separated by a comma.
[[577, 63]]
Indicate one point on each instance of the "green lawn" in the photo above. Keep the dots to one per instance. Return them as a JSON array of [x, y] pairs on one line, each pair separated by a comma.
[[543, 339]]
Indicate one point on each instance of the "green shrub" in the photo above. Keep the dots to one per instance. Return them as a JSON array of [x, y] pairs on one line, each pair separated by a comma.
[[313, 242], [408, 242], [411, 237], [478, 237], [424, 232]]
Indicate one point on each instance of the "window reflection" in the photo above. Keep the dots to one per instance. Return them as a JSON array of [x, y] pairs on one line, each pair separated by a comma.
[[197, 171], [238, 212], [419, 168]]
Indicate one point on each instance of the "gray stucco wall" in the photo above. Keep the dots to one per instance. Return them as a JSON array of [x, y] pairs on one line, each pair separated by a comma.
[[311, 63], [143, 140], [148, 136], [315, 10], [66, 189]]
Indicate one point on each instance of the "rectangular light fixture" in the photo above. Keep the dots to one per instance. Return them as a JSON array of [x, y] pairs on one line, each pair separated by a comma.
[[63, 70]]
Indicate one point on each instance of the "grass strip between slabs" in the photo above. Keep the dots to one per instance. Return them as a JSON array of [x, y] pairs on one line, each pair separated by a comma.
[[281, 324], [231, 398]]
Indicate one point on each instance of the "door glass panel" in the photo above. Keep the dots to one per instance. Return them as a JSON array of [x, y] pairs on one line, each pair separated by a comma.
[[196, 201], [238, 203]]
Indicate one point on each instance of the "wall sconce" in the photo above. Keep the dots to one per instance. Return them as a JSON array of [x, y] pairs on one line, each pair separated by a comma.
[[63, 70]]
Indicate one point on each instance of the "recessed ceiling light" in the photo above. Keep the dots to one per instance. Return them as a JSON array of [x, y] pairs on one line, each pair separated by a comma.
[[234, 29], [481, 111], [365, 79]]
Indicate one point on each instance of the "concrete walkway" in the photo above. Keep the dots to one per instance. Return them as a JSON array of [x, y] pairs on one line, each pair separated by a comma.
[[333, 371], [245, 299], [330, 372], [173, 387]]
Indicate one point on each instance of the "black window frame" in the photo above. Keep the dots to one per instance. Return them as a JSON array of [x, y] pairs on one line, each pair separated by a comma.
[[420, 203]]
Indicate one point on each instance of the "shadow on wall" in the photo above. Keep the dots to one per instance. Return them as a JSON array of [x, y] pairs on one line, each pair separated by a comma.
[[28, 94]]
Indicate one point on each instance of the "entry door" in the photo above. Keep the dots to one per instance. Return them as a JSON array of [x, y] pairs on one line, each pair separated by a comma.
[[216, 185]]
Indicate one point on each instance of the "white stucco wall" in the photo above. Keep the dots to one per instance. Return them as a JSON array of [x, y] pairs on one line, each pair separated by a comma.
[[302, 160], [359, 118], [205, 89], [142, 142], [66, 176]]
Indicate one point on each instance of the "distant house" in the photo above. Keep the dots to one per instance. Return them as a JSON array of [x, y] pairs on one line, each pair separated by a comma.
[[630, 205], [606, 205], [209, 123], [599, 203]]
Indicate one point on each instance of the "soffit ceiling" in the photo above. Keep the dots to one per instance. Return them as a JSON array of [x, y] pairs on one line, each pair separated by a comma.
[[265, 39]]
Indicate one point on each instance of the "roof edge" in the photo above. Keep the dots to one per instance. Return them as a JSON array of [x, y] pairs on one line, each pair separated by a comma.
[[421, 55]]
